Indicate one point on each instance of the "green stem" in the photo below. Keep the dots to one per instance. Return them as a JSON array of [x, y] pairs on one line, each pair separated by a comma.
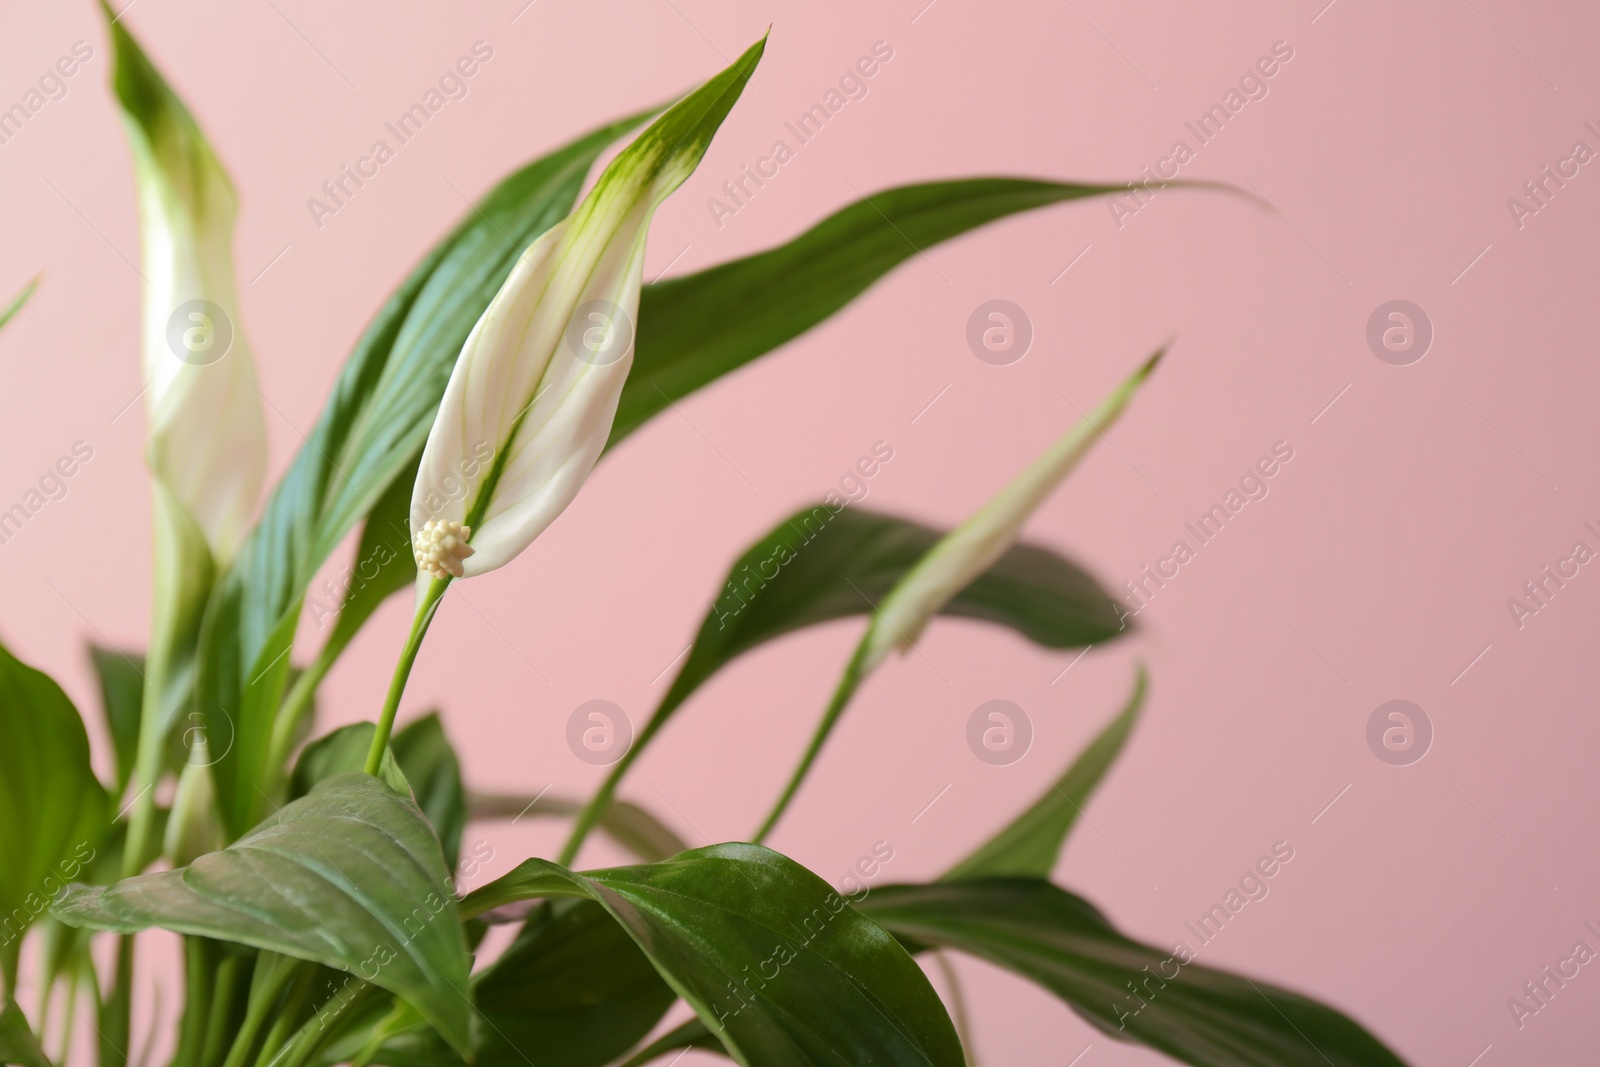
[[197, 980], [402, 670], [272, 973], [296, 706], [116, 1012], [958, 1005], [222, 999], [318, 1031], [592, 811], [288, 1015], [841, 698]]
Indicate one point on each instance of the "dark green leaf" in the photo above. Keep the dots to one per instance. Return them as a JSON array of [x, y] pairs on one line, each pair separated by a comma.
[[631, 826], [1031, 844], [821, 564], [17, 1043], [52, 809], [121, 677], [349, 876], [1192, 1013], [430, 765], [369, 433], [777, 964], [695, 329]]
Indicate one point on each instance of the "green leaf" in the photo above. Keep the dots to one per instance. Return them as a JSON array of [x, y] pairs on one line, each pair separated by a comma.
[[634, 828], [695, 329], [1193, 1013], [121, 676], [52, 809], [350, 877], [777, 964], [369, 433], [10, 310], [822, 564], [430, 765], [17, 1043], [343, 751], [1031, 844]]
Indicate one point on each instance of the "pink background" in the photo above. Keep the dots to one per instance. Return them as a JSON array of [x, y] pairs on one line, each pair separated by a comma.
[[1378, 567]]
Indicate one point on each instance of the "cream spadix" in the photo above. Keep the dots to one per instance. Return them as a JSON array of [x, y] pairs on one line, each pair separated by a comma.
[[207, 435], [531, 400], [974, 546]]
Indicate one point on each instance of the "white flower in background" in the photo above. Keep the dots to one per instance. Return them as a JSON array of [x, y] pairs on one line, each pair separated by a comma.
[[974, 546], [207, 439], [530, 403]]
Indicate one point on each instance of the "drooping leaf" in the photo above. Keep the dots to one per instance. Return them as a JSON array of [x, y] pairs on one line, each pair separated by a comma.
[[695, 329], [778, 965], [1030, 845], [350, 876], [17, 1043], [370, 432], [430, 765], [121, 676], [629, 825], [822, 564], [1193, 1013], [9, 312], [53, 812]]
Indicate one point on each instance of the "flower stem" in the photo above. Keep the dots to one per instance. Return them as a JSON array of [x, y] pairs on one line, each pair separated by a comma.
[[846, 689], [402, 670]]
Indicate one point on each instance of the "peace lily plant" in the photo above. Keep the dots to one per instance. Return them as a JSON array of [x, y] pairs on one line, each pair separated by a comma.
[[310, 877]]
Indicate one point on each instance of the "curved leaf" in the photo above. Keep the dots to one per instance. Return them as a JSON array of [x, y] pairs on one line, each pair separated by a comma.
[[1192, 1013], [1031, 844], [17, 1043], [777, 964], [695, 329], [121, 676], [429, 762], [349, 876], [370, 431], [9, 312], [52, 808]]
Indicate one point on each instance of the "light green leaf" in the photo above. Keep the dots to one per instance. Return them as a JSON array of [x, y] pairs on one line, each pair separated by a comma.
[[121, 676], [822, 564], [350, 876], [633, 827], [695, 329], [53, 812], [17, 1043], [1031, 844], [10, 310], [777, 964], [425, 754], [370, 433], [1195, 1014]]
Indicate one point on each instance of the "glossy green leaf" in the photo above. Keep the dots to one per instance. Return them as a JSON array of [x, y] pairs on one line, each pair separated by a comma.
[[350, 877], [634, 828], [17, 1043], [53, 812], [121, 676], [370, 432], [1031, 844], [777, 964], [9, 312], [695, 329], [1193, 1013]]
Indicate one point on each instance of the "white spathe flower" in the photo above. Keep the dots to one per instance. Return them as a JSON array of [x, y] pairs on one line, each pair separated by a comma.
[[974, 546], [207, 436], [532, 398]]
